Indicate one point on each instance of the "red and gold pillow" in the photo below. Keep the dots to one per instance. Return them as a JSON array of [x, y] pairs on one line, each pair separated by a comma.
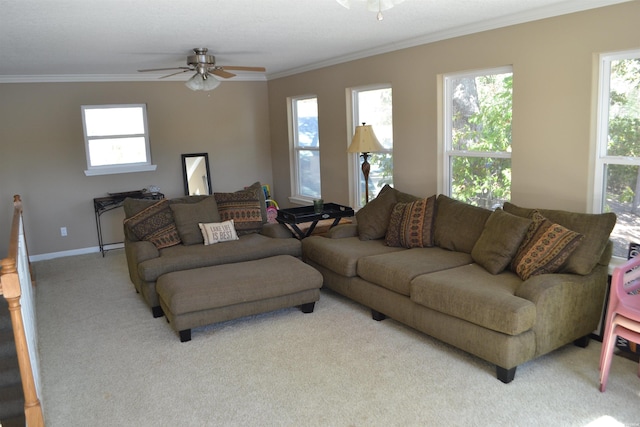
[[411, 224], [155, 224], [545, 247]]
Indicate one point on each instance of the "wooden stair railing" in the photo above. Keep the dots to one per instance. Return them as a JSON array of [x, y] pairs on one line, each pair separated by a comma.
[[17, 287]]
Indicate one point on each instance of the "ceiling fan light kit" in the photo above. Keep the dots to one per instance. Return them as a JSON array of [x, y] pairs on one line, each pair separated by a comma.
[[205, 69], [373, 5]]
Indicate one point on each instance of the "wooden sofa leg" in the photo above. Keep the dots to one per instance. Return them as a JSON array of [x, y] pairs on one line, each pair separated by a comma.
[[505, 375], [185, 335], [377, 316], [157, 311], [308, 307], [582, 342]]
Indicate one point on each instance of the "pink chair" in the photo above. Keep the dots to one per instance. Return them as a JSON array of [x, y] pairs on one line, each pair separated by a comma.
[[623, 314]]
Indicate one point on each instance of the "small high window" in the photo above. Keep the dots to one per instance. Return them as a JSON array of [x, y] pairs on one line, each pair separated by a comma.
[[116, 139]]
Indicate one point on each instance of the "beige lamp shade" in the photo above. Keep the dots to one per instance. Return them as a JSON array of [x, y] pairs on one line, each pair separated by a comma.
[[365, 141]]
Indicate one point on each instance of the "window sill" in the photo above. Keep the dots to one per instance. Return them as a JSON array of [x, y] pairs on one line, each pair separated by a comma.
[[111, 170]]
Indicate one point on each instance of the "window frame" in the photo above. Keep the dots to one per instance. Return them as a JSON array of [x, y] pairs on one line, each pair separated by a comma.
[[353, 120], [121, 167], [446, 153], [601, 159], [295, 147]]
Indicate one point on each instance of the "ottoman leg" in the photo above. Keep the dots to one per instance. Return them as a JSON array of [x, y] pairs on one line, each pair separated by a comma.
[[185, 335], [308, 307]]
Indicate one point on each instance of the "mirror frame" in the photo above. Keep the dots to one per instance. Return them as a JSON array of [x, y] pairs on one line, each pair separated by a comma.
[[184, 171]]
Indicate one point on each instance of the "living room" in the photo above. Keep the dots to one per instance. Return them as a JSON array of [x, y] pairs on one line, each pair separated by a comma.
[[243, 125]]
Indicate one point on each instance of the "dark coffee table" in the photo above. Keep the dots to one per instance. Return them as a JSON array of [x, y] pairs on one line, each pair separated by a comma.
[[295, 216]]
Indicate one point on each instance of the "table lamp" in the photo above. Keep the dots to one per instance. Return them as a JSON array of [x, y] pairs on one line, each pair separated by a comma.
[[364, 141]]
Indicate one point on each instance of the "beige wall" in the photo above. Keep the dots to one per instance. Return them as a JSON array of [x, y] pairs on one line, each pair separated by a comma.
[[42, 151], [553, 64]]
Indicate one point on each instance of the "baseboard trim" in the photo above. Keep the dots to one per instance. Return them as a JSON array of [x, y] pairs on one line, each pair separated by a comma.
[[73, 252]]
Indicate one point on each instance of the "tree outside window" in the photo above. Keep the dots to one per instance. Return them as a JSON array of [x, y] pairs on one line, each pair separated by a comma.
[[618, 163], [477, 129]]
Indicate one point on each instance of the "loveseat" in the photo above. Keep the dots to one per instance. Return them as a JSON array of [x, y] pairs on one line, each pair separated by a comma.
[[507, 285], [167, 236]]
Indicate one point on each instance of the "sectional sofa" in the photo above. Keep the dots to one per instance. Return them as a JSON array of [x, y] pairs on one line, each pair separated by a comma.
[[507, 285]]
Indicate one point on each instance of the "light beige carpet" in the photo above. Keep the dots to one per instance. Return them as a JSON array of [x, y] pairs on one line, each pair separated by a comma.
[[107, 362]]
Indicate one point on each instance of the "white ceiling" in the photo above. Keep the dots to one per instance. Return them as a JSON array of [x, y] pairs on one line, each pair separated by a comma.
[[109, 40]]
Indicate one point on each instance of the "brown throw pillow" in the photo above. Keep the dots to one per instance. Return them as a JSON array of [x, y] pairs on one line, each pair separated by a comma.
[[244, 207], [373, 218], [411, 224], [499, 241], [189, 215], [155, 224], [545, 248]]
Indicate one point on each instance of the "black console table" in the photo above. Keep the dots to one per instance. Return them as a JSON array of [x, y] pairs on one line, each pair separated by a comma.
[[113, 201], [295, 216]]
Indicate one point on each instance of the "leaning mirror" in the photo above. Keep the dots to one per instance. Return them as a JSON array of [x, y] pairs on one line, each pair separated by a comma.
[[195, 171]]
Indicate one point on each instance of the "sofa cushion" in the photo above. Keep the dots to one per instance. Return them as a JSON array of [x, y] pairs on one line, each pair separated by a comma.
[[411, 224], [477, 296], [499, 241], [373, 218], [596, 229], [248, 247], [244, 207], [458, 225], [342, 255], [395, 270], [189, 215], [217, 232], [545, 248], [155, 224]]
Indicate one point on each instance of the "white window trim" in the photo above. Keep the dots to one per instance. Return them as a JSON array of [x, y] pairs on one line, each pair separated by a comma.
[[601, 135], [294, 170], [445, 152], [354, 165], [117, 169]]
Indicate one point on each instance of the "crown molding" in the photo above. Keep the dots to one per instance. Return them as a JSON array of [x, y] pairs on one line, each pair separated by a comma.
[[568, 7], [103, 78]]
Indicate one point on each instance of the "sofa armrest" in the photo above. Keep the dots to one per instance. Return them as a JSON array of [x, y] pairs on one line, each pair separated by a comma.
[[341, 231], [568, 306], [137, 252], [276, 231]]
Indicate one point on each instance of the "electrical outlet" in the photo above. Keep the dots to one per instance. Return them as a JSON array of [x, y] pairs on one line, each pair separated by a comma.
[[63, 231]]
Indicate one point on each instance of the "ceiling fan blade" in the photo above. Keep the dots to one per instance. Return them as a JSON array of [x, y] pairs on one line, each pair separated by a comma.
[[240, 68], [178, 72], [165, 69], [221, 73]]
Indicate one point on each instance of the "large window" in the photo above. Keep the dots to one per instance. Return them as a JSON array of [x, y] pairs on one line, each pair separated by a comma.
[[476, 162], [373, 105], [617, 175], [305, 153], [116, 139]]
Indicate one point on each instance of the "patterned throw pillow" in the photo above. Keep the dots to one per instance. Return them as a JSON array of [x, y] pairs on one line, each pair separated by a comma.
[[243, 207], [155, 224], [411, 224], [545, 247], [217, 232]]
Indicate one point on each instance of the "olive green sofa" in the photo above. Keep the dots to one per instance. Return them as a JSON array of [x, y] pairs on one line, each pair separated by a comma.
[[169, 239], [457, 273]]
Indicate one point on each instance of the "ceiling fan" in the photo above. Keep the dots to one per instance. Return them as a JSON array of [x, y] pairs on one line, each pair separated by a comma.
[[205, 68]]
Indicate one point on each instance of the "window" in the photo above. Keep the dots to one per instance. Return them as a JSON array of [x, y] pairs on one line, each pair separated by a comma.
[[305, 155], [617, 175], [116, 139], [373, 105], [476, 161]]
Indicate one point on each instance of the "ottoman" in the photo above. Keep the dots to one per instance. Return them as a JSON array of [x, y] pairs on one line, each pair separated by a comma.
[[202, 296]]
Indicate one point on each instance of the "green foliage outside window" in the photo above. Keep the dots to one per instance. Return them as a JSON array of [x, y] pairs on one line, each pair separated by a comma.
[[481, 136]]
